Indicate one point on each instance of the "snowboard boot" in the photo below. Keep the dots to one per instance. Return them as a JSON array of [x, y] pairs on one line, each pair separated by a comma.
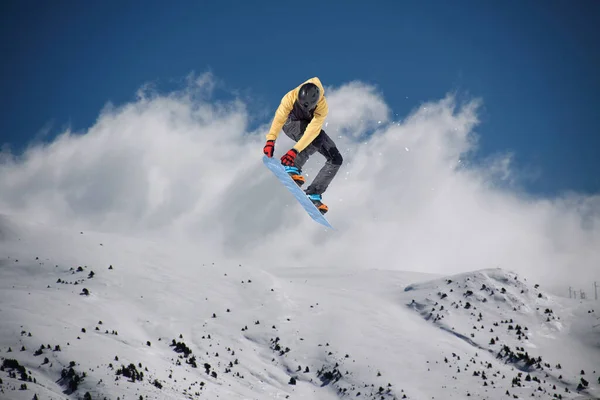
[[296, 175], [316, 199]]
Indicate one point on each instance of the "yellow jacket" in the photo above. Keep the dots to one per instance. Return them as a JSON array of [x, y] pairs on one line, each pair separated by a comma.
[[286, 106]]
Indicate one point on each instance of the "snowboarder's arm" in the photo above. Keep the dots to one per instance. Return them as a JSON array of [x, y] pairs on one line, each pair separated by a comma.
[[284, 109], [314, 128]]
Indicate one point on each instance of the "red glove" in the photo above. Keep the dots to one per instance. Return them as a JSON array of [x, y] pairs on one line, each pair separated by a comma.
[[269, 148], [289, 157]]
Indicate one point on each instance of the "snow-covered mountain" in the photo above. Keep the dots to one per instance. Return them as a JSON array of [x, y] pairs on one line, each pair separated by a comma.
[[86, 315]]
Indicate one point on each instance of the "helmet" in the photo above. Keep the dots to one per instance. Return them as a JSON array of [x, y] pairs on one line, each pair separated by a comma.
[[308, 96]]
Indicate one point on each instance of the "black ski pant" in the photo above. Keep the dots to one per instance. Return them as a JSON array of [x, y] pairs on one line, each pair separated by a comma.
[[323, 144]]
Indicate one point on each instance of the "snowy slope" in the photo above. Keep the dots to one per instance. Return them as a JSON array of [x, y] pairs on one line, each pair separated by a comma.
[[552, 344], [90, 315]]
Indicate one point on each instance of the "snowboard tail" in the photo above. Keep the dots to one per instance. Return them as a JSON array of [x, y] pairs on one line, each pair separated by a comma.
[[279, 171]]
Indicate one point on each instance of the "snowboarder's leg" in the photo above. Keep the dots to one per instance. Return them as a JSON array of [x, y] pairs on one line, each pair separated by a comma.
[[326, 146], [294, 130]]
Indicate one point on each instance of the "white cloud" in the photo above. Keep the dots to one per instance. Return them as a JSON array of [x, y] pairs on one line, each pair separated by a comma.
[[354, 108], [186, 166]]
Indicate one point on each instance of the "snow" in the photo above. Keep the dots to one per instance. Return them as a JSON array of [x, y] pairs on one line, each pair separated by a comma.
[[378, 332]]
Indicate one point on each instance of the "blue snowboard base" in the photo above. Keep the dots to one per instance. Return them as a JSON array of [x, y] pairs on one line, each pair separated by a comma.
[[279, 170]]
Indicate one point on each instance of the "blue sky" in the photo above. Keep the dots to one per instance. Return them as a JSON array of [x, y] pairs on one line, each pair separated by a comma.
[[534, 64]]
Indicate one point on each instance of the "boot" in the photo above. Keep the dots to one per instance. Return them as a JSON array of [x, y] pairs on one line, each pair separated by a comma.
[[296, 175], [316, 199]]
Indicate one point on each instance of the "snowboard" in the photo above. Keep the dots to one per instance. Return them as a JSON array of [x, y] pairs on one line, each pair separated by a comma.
[[279, 171]]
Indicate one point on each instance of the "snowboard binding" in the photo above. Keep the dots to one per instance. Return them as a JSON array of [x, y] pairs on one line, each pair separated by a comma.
[[316, 199], [296, 175]]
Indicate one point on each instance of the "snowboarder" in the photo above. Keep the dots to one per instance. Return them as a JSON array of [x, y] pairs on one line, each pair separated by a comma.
[[301, 114]]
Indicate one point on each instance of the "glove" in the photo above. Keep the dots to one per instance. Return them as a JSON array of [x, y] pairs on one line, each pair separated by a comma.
[[289, 157], [269, 148]]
